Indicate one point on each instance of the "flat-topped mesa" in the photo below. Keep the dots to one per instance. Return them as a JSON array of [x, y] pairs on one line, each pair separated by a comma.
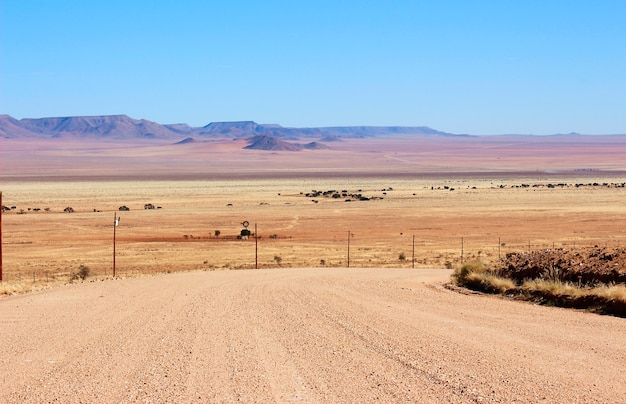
[[123, 127]]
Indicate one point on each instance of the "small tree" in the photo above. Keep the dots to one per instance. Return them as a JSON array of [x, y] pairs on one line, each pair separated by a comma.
[[217, 233], [278, 259], [402, 257]]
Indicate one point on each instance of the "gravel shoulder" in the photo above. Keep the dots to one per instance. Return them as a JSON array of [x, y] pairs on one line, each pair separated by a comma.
[[313, 335]]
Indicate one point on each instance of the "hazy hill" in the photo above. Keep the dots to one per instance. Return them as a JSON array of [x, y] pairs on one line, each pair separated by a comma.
[[265, 142], [315, 146], [115, 126], [367, 131], [122, 127], [12, 128]]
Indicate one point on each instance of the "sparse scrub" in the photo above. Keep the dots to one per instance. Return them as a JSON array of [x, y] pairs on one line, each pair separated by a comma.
[[552, 287], [612, 292], [11, 288], [576, 279], [498, 284], [81, 274], [477, 276]]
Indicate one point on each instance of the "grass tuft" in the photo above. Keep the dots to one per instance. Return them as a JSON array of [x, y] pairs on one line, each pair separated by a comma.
[[477, 276], [605, 299], [612, 292], [13, 288]]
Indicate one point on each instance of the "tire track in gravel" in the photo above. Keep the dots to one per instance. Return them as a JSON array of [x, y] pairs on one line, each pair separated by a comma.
[[459, 349], [114, 345], [286, 381], [368, 346]]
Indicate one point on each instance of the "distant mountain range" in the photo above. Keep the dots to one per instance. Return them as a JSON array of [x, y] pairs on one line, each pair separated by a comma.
[[122, 127]]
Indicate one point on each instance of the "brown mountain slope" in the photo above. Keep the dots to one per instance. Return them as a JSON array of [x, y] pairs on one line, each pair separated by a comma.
[[115, 126]]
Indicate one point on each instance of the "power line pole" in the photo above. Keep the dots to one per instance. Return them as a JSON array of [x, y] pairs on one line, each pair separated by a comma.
[[116, 221], [348, 248]]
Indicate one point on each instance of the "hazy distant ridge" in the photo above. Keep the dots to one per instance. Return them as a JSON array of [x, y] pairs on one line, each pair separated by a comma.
[[120, 127]]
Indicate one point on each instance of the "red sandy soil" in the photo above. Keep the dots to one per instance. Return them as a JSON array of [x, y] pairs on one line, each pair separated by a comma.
[[312, 335]]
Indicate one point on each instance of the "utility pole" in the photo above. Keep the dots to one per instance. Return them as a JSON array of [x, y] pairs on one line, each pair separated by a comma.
[[256, 249], [116, 222], [348, 248]]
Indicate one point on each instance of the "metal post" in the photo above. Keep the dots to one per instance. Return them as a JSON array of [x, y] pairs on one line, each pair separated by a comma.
[[348, 248], [461, 250]]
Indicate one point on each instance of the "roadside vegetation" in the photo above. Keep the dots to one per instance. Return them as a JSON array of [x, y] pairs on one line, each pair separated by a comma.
[[592, 279], [34, 283]]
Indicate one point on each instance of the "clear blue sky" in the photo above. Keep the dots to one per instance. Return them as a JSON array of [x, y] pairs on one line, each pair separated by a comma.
[[479, 67]]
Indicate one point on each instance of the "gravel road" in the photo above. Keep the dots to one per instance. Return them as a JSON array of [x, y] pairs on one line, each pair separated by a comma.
[[311, 335]]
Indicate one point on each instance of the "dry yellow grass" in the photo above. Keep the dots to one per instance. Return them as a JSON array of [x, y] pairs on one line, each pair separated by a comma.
[[477, 220], [608, 299], [611, 292], [608, 292], [554, 287]]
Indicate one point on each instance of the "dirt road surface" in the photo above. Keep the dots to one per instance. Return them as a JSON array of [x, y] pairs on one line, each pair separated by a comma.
[[310, 335]]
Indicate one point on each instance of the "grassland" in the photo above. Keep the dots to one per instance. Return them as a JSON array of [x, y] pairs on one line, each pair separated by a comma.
[[406, 221]]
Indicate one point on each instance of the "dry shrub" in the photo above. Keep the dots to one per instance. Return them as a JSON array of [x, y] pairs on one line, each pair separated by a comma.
[[81, 274], [557, 288], [552, 287], [592, 279], [611, 292], [462, 273], [605, 299], [13, 288], [500, 285], [477, 276]]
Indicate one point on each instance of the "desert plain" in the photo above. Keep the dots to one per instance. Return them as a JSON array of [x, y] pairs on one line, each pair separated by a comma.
[[431, 202], [195, 314]]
